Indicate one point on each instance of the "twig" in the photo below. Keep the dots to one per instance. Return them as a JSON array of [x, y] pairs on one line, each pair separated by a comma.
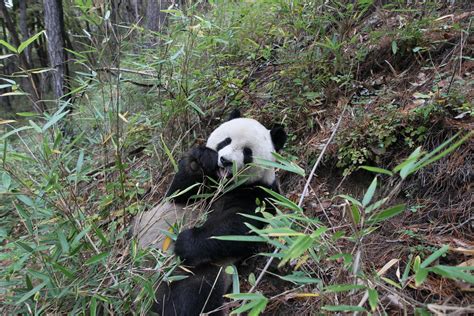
[[210, 292], [451, 310], [132, 71], [305, 190], [462, 42]]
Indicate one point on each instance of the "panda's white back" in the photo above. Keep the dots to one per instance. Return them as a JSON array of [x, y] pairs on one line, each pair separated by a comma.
[[149, 226]]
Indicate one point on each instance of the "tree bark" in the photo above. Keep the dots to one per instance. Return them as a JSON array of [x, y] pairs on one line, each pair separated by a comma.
[[31, 85], [6, 71], [54, 24], [24, 28], [154, 18], [40, 44], [134, 6]]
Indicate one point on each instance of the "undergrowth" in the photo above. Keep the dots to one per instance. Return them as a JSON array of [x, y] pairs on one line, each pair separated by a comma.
[[72, 179]]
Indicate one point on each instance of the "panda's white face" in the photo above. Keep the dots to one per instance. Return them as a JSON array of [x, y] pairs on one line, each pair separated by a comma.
[[240, 141]]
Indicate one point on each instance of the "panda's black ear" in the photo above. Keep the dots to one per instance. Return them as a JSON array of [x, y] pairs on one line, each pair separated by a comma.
[[234, 114], [278, 135]]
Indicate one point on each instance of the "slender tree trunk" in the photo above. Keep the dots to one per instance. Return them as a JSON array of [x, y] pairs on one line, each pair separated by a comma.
[[54, 24], [40, 44], [31, 85], [134, 6], [154, 18], [6, 71], [24, 28]]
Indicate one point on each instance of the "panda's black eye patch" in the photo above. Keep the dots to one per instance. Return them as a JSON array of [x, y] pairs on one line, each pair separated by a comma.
[[223, 143], [247, 155]]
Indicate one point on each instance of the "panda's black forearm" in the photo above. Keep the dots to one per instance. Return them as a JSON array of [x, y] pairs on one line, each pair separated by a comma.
[[182, 181], [193, 168], [196, 245], [195, 250]]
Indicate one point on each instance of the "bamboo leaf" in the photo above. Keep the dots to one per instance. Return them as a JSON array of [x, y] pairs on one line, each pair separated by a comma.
[[93, 306], [245, 296], [283, 200], [96, 258], [6, 56], [455, 273], [420, 276], [435, 255], [386, 214], [373, 299], [343, 308], [299, 277], [377, 170], [391, 282], [438, 149], [196, 107], [7, 45], [177, 54], [279, 232], [240, 238], [54, 119], [413, 157], [451, 148], [168, 153], [355, 214], [13, 93], [350, 199], [394, 47], [6, 181], [26, 43], [80, 162], [375, 205], [370, 193], [300, 246], [318, 232], [16, 130], [232, 270], [343, 288], [63, 241], [407, 270], [288, 166], [35, 127], [26, 114], [32, 292], [68, 273], [416, 264]]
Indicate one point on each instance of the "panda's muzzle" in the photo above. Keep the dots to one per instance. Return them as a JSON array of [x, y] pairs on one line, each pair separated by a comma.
[[225, 162], [225, 168]]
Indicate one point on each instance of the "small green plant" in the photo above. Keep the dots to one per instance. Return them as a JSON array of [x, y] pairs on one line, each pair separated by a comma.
[[369, 139]]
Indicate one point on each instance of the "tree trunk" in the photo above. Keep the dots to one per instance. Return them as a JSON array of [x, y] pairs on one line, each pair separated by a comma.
[[24, 28], [6, 71], [31, 85], [54, 24], [134, 6], [40, 44], [154, 18]]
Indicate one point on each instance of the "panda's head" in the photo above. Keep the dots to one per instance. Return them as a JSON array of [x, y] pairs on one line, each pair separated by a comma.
[[240, 141]]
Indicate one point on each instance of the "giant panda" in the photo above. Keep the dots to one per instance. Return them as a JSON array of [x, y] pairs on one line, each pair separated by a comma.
[[232, 146]]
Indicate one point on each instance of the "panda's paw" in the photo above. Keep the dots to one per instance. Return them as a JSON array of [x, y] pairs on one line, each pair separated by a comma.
[[187, 248], [205, 158]]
